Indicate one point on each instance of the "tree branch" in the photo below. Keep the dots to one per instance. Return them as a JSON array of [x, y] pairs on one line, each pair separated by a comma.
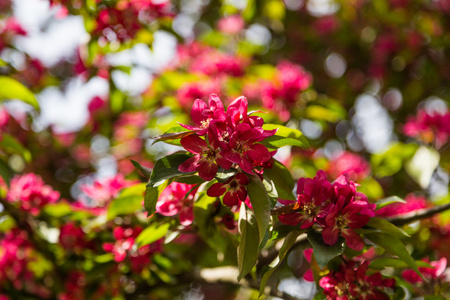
[[418, 215]]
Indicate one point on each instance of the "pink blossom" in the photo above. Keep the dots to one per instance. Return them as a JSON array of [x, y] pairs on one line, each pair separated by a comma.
[[229, 138], [429, 127], [435, 273], [234, 189], [351, 163], [413, 203], [313, 201], [72, 237], [175, 199], [104, 190], [282, 93], [30, 192], [337, 207], [352, 282], [123, 247], [231, 24]]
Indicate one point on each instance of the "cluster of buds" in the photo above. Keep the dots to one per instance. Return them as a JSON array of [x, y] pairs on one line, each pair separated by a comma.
[[336, 207], [227, 139]]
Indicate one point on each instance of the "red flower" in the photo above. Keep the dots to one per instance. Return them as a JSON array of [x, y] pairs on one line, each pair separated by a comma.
[[202, 115], [175, 200], [233, 189], [204, 160], [351, 282], [342, 219], [314, 201], [435, 273]]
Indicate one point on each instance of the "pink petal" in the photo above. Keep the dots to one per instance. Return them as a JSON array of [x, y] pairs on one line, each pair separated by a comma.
[[230, 199], [330, 235], [352, 239], [216, 190], [190, 165], [258, 153], [197, 111], [194, 144], [207, 169]]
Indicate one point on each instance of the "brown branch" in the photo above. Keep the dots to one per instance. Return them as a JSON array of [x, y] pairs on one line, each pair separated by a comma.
[[418, 215]]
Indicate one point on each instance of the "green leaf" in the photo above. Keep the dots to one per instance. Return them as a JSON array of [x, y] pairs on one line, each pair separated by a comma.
[[12, 89], [282, 179], [394, 246], [5, 172], [275, 141], [129, 201], [386, 226], [57, 210], [152, 233], [260, 203], [248, 248], [286, 132], [104, 258], [204, 209], [323, 253], [12, 146], [151, 196], [389, 200], [288, 242], [146, 172], [167, 167]]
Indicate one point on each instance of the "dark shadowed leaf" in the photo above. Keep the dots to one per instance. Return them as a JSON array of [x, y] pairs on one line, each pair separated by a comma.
[[167, 167], [287, 245], [146, 172], [323, 253]]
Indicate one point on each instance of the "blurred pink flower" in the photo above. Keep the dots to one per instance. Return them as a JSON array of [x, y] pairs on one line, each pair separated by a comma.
[[231, 24], [30, 192]]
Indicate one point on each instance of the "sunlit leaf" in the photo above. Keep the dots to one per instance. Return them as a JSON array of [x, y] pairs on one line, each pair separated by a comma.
[[12, 89], [152, 233]]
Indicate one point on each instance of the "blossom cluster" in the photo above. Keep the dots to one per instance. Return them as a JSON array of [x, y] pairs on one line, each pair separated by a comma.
[[125, 19], [336, 207], [226, 139], [124, 246], [30, 192], [352, 282], [429, 127]]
